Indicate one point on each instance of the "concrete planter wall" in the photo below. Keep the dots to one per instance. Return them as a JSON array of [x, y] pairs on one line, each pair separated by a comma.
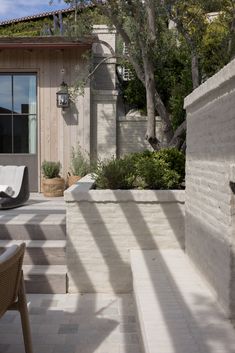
[[103, 225]]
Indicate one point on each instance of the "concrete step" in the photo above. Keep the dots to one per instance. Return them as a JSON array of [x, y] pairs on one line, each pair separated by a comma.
[[40, 252], [45, 279], [39, 219], [33, 231], [176, 309], [41, 224]]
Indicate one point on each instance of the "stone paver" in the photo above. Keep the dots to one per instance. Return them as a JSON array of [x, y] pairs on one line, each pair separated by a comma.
[[176, 309], [71, 323]]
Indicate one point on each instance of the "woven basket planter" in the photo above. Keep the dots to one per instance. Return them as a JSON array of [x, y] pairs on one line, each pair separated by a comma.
[[53, 187], [72, 179]]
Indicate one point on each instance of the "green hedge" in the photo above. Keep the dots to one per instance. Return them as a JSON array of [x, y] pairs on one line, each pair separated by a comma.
[[164, 169]]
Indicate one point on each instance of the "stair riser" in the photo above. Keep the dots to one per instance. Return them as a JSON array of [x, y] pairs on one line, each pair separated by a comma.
[[46, 284], [43, 256], [51, 256], [33, 232]]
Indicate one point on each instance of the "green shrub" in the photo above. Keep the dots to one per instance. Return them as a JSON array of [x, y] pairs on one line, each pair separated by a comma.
[[164, 169], [115, 174], [79, 163], [51, 169], [156, 174], [174, 158]]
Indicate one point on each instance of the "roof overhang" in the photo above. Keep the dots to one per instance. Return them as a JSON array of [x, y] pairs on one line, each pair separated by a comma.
[[50, 42]]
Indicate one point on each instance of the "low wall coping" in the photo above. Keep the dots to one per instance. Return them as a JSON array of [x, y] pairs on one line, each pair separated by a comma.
[[215, 82], [82, 191]]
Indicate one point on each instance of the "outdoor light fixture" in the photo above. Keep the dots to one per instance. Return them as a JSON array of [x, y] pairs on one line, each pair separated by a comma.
[[62, 96]]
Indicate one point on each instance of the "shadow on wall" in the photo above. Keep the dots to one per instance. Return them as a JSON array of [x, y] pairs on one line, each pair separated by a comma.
[[71, 115], [104, 76], [103, 129], [105, 244]]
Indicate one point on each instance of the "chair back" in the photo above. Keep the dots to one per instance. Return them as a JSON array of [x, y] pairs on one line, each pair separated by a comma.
[[13, 176], [10, 274]]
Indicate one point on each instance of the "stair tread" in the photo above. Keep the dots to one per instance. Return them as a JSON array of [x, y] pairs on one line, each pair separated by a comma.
[[35, 243], [44, 270], [46, 219]]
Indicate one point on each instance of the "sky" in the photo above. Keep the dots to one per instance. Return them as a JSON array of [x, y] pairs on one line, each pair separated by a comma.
[[10, 9]]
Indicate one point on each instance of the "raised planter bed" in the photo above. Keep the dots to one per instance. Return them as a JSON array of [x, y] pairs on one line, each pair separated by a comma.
[[103, 225]]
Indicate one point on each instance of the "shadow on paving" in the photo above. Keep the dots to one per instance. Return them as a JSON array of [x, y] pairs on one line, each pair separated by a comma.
[[138, 222]]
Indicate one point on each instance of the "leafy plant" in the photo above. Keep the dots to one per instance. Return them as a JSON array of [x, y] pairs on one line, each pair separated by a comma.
[[51, 169], [79, 162], [115, 174], [156, 174], [174, 159], [164, 169]]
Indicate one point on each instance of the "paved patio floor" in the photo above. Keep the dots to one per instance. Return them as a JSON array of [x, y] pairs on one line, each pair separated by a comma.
[[70, 323]]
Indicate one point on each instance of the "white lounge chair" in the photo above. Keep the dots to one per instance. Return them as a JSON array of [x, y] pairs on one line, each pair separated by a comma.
[[14, 186]]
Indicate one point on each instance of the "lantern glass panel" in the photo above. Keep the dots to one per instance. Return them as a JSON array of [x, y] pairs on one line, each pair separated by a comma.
[[62, 99]]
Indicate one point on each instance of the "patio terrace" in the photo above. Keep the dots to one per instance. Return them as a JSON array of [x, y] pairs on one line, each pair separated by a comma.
[[173, 309], [70, 323], [41, 224]]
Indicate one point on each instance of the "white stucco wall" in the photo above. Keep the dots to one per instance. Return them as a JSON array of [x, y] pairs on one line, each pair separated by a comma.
[[210, 203], [131, 130], [104, 96], [103, 225]]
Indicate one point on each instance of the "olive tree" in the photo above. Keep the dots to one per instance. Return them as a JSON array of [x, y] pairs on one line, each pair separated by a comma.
[[139, 23]]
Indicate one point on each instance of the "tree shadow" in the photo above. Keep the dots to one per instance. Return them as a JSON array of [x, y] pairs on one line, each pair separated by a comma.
[[205, 312], [95, 220]]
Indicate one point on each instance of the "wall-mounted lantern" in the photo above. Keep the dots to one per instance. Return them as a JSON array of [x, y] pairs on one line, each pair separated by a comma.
[[62, 96]]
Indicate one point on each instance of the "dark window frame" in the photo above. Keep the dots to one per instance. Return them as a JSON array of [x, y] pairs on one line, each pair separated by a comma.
[[14, 114]]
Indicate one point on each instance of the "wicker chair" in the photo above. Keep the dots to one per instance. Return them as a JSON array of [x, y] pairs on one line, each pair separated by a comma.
[[12, 290]]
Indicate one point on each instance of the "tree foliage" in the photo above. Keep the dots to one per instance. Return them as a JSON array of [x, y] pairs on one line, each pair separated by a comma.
[[28, 28], [173, 60], [168, 64]]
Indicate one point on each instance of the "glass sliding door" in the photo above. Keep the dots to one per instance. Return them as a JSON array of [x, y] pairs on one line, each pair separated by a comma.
[[18, 119]]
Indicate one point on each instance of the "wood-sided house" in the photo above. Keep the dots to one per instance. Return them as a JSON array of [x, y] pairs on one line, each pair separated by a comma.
[[32, 67]]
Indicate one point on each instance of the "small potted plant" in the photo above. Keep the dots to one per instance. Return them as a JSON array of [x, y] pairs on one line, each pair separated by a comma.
[[80, 166], [53, 184]]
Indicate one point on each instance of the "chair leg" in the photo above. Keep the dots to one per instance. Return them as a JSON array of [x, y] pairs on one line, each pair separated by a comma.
[[22, 307]]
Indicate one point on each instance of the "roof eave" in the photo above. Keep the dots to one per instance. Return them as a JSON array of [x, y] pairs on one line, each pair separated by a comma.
[[45, 42]]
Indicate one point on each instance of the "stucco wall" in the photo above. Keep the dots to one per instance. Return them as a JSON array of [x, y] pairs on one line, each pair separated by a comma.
[[104, 97], [103, 225], [209, 169], [131, 130]]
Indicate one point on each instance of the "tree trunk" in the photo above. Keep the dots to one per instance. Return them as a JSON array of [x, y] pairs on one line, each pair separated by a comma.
[[150, 100], [163, 113], [151, 125], [177, 139], [195, 70], [231, 44]]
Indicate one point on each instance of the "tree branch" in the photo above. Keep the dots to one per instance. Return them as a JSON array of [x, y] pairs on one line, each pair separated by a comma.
[[151, 18], [177, 138], [191, 44], [231, 44]]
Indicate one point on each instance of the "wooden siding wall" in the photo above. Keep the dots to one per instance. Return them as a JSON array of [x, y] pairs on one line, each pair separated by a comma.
[[58, 130]]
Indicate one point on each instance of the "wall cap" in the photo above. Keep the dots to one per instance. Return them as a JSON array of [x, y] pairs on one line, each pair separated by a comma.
[[98, 29], [105, 92], [82, 191], [219, 79]]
